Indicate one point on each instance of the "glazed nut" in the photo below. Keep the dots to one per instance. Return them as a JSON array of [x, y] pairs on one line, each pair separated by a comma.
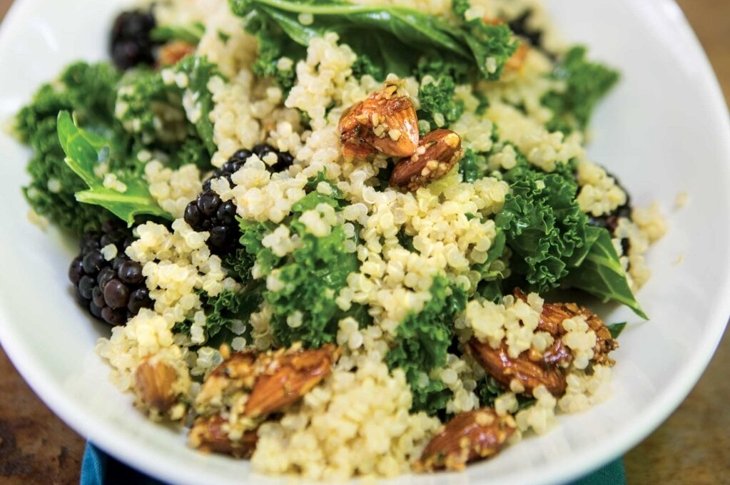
[[385, 122], [469, 436], [551, 319], [436, 155], [498, 364], [209, 434], [289, 376], [173, 52], [154, 385], [517, 60]]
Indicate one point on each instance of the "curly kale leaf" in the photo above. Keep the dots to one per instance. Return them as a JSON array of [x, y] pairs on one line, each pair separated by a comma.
[[310, 279], [472, 166], [199, 71], [239, 264], [491, 46], [422, 343], [84, 152], [391, 37], [439, 105], [544, 227], [152, 109], [586, 83], [552, 242], [230, 310], [142, 95], [89, 91], [277, 53]]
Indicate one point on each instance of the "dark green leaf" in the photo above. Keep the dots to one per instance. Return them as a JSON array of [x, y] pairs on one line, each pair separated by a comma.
[[544, 226], [422, 342], [199, 72], [84, 151], [231, 308], [602, 275], [187, 33], [585, 84], [391, 37], [88, 90], [616, 329], [311, 278]]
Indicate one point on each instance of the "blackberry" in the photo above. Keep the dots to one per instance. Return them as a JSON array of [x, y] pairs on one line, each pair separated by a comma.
[[284, 159], [131, 39], [113, 291], [519, 27], [209, 213]]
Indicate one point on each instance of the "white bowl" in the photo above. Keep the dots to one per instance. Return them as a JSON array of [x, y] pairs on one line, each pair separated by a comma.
[[663, 131]]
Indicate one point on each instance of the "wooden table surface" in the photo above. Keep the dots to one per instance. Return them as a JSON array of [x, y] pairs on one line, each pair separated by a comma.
[[691, 447]]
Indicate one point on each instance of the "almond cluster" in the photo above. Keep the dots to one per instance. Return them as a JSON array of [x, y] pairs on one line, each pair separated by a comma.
[[386, 122]]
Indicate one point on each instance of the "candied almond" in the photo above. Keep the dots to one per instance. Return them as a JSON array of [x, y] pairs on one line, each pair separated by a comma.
[[436, 155], [209, 434], [154, 385], [173, 52], [384, 122], [552, 317], [288, 377], [527, 372], [469, 436]]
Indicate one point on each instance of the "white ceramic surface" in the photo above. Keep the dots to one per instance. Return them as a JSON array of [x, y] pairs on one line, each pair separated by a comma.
[[664, 131]]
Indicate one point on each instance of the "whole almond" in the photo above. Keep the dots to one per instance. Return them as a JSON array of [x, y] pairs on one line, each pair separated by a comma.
[[384, 122], [288, 377], [504, 369], [436, 155], [551, 319], [154, 384], [209, 434], [467, 437], [173, 52]]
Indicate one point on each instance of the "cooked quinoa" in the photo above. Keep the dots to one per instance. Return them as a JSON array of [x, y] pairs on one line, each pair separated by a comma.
[[336, 258]]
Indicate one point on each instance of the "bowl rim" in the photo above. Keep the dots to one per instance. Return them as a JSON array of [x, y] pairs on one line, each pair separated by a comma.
[[100, 432]]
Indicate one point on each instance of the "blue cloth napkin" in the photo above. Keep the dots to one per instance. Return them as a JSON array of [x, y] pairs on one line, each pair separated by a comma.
[[98, 468]]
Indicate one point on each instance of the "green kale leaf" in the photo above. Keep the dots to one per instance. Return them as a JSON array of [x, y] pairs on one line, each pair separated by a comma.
[[551, 241], [439, 105], [472, 166], [491, 45], [252, 232], [142, 95], [84, 151], [89, 91], [231, 310], [391, 37], [199, 71], [585, 84], [310, 279], [239, 264], [544, 227], [602, 275], [422, 342], [191, 33], [616, 329]]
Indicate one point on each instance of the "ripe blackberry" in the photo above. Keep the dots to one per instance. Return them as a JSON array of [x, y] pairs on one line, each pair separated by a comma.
[[519, 26], [209, 213], [284, 159], [131, 41], [113, 291]]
